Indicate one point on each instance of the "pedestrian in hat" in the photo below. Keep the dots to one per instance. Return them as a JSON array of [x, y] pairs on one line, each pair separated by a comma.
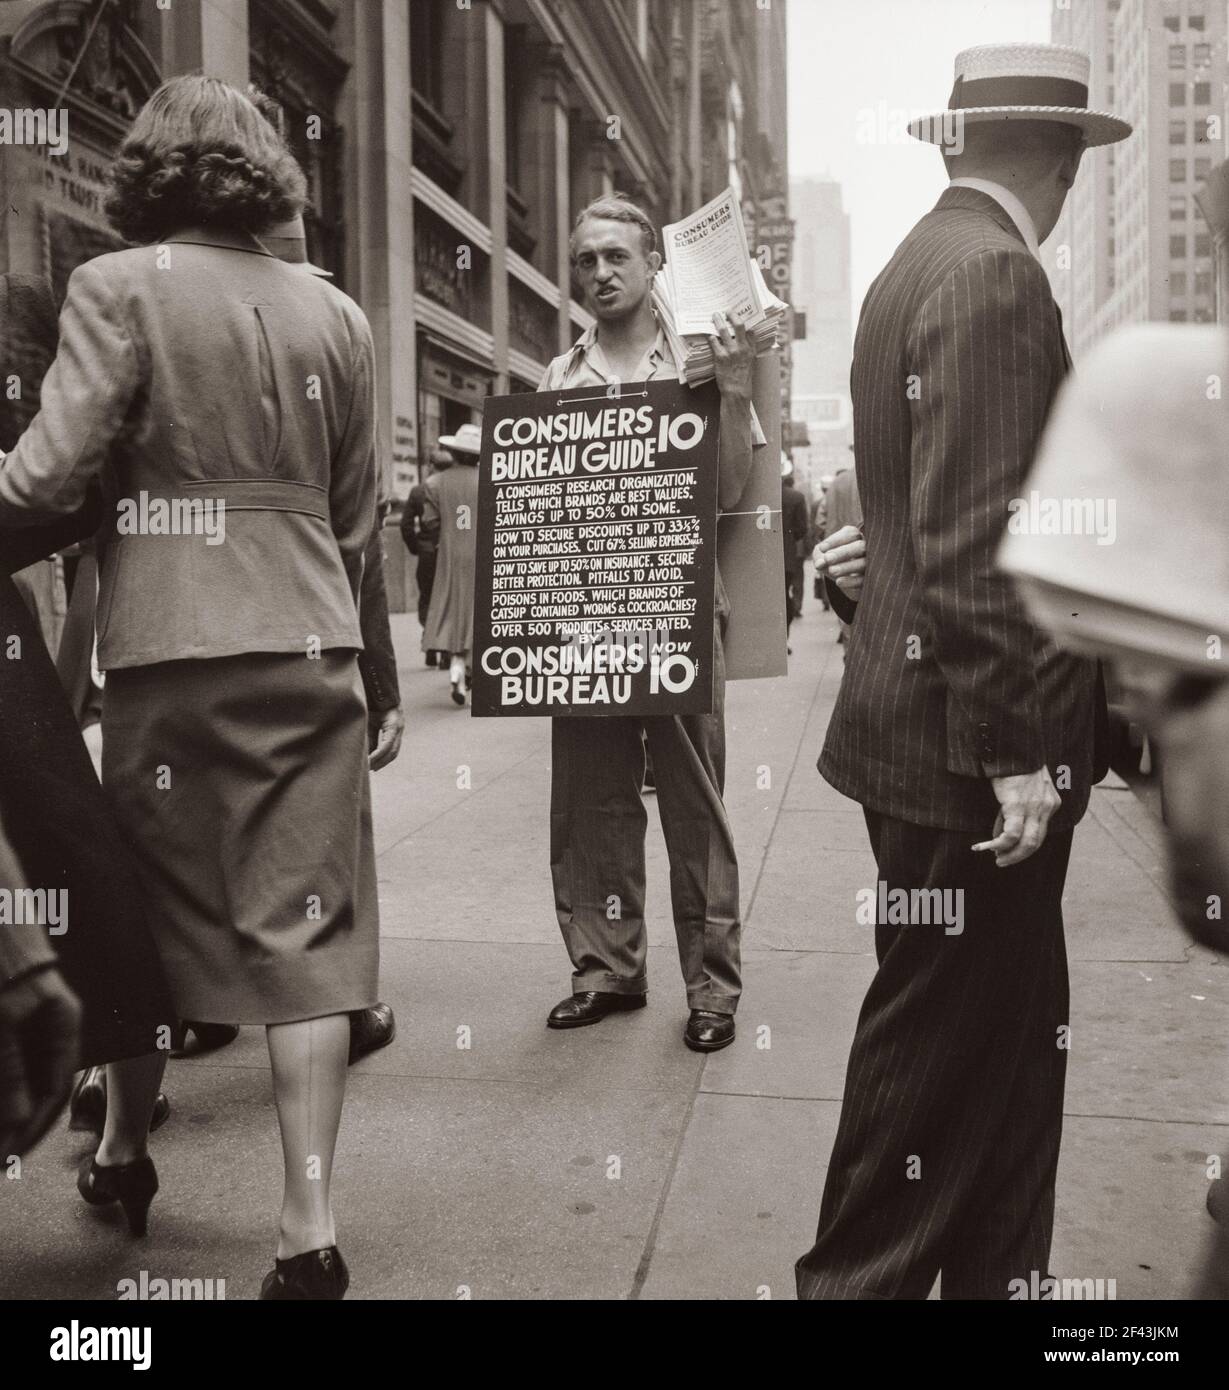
[[450, 503], [965, 734]]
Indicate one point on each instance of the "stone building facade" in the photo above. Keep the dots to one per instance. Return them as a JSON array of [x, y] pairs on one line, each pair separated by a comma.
[[448, 146]]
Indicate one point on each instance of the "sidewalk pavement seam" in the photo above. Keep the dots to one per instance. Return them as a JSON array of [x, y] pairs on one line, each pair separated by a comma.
[[646, 1258], [640, 1278], [1067, 1114], [776, 820]]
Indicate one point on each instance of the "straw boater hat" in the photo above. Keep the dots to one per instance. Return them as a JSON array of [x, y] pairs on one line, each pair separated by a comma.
[[1021, 82]]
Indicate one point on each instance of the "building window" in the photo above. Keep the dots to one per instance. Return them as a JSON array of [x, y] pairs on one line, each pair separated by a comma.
[[427, 51], [1203, 55], [1203, 167], [1203, 244], [1177, 132], [1177, 94], [1177, 207], [1203, 94], [1195, 21], [1177, 171], [1177, 248], [1202, 315], [1171, 23], [1177, 55], [1177, 283], [1177, 316], [1203, 282], [1201, 130]]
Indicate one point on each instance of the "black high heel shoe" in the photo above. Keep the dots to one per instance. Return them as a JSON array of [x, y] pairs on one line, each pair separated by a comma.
[[318, 1274], [132, 1185]]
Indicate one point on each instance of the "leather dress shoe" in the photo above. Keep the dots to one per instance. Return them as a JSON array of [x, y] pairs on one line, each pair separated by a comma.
[[579, 1010], [707, 1031], [87, 1109], [318, 1274], [370, 1030]]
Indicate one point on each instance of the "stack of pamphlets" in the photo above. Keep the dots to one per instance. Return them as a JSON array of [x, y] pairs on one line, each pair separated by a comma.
[[709, 270]]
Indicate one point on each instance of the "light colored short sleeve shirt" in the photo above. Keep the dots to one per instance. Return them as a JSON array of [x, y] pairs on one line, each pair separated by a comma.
[[585, 364]]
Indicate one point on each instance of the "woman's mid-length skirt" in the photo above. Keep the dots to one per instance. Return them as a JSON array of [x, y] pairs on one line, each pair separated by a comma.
[[241, 785]]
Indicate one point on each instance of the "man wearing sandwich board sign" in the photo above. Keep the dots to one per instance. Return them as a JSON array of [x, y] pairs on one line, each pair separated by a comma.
[[598, 819]]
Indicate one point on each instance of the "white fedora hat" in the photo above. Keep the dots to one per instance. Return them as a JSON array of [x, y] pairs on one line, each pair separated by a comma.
[[1022, 82], [467, 440]]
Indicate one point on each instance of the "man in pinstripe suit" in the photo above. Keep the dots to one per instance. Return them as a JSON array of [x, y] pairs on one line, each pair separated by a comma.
[[966, 736]]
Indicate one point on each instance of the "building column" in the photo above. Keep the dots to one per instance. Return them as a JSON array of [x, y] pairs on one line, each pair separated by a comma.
[[209, 36], [547, 182], [497, 184], [380, 256]]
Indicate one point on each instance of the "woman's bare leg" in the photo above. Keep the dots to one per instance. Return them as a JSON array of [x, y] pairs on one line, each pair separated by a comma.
[[132, 1089]]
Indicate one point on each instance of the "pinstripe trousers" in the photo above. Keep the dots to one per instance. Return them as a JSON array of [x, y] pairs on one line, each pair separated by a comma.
[[598, 824], [947, 1147]]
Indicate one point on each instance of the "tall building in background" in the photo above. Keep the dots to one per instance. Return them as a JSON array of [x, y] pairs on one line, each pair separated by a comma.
[[1131, 244], [822, 358]]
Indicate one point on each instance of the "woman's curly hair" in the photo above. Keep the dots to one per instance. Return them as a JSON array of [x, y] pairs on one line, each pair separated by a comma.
[[201, 154]]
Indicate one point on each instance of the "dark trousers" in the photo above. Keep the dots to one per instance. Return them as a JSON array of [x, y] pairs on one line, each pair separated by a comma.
[[598, 823], [794, 584], [947, 1147], [425, 575]]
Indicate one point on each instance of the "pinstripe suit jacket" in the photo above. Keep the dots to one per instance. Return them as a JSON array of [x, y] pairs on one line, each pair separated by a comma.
[[958, 356]]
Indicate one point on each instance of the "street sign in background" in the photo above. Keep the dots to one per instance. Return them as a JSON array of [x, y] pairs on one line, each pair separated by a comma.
[[596, 554]]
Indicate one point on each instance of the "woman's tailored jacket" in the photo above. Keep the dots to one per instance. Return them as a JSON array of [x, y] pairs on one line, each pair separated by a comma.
[[228, 378]]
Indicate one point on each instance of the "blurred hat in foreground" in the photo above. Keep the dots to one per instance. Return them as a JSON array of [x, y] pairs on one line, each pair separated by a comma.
[[1120, 545]]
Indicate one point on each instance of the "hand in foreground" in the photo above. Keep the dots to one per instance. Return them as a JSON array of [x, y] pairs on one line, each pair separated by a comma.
[[842, 557], [40, 1027], [733, 358], [384, 732], [1026, 802]]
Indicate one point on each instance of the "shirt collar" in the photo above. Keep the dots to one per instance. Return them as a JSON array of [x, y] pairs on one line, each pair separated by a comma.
[[585, 346], [1010, 204]]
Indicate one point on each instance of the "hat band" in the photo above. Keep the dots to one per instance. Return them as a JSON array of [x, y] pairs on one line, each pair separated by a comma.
[[1018, 91]]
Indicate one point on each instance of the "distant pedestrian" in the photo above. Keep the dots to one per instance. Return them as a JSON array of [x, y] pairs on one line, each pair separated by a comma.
[[795, 537], [450, 510], [424, 545]]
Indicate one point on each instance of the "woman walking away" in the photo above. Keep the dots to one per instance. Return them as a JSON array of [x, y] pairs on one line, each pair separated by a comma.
[[234, 724], [451, 505]]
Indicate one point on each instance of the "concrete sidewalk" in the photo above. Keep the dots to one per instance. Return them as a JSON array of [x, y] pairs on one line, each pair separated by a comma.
[[482, 1153]]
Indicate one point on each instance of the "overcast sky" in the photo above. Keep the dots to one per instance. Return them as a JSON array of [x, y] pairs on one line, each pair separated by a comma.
[[846, 58]]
